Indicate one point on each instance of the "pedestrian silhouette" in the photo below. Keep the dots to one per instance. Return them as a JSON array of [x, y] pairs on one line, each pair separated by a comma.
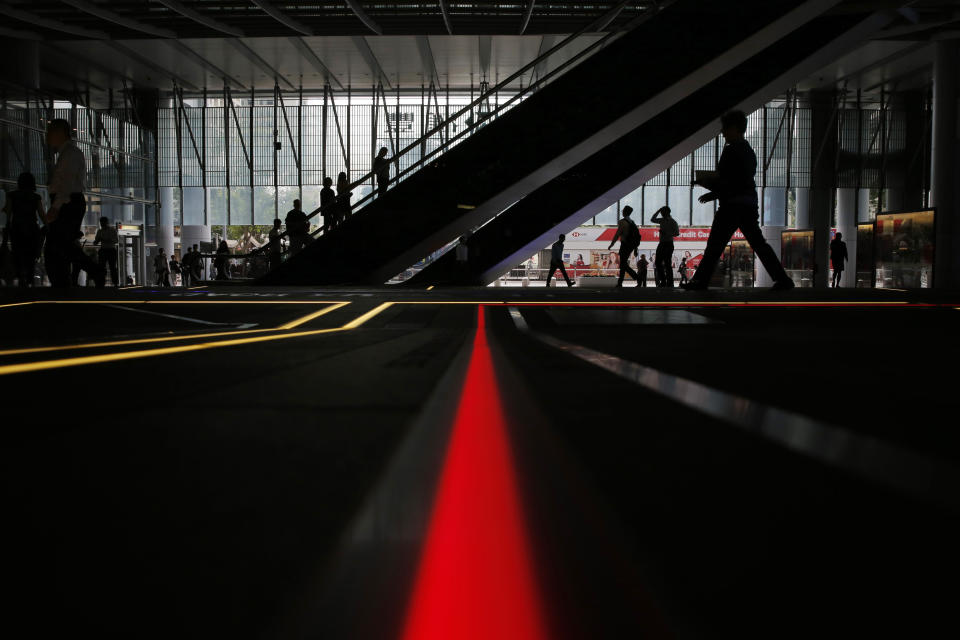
[[222, 261], [107, 239], [24, 209], [343, 197], [161, 269], [298, 227], [682, 270], [838, 255], [186, 266], [733, 185], [67, 208], [629, 236], [669, 229], [381, 169], [328, 207], [642, 269], [556, 261], [276, 244]]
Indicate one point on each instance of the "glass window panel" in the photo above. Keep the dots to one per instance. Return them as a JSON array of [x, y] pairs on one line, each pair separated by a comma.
[[217, 205], [608, 215], [265, 205], [679, 203], [240, 212]]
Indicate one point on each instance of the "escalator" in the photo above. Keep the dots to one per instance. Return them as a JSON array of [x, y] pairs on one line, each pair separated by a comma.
[[658, 63], [592, 185]]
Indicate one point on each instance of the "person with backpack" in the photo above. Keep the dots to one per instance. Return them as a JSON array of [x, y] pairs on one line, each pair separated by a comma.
[[669, 229], [682, 270], [629, 236]]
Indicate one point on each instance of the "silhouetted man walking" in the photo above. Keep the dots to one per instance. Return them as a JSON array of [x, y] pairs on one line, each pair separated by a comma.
[[556, 261], [736, 190], [629, 236], [838, 256], [68, 206]]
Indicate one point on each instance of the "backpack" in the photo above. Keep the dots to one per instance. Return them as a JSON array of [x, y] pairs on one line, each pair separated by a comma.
[[633, 237], [674, 228]]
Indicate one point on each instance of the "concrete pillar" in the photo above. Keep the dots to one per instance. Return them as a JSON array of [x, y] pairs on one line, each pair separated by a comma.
[[773, 236], [850, 206], [915, 158], [946, 163], [165, 237], [823, 137], [803, 208]]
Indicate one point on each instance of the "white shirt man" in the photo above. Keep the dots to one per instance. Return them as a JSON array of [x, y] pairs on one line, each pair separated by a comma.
[[69, 175]]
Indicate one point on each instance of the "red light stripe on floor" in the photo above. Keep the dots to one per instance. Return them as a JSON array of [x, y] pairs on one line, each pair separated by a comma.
[[475, 579]]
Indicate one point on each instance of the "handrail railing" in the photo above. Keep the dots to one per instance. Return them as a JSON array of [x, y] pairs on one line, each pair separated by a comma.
[[480, 121]]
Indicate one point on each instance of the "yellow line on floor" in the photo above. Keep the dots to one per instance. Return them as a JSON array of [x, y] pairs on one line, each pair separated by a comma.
[[333, 306], [44, 365], [15, 304]]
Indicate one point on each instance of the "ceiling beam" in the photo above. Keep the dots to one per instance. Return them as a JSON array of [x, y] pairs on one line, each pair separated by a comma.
[[47, 23], [85, 62], [360, 42], [150, 64], [186, 51], [283, 18], [426, 57], [486, 44], [364, 17], [908, 50], [53, 73], [110, 16], [445, 10], [604, 21], [526, 16], [199, 18], [253, 57], [17, 33], [304, 49]]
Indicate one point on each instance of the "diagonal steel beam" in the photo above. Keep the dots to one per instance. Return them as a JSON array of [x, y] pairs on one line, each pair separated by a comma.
[[187, 52], [445, 10], [283, 18], [546, 43], [47, 23], [150, 64], [253, 57], [364, 17], [304, 49], [22, 35], [116, 18], [360, 42], [426, 56], [526, 16], [199, 18]]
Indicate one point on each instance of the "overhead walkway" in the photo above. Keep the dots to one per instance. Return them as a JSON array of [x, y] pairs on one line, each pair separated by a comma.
[[612, 173], [657, 64]]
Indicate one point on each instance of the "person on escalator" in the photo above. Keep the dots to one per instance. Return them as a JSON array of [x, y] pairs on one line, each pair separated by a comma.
[[556, 261], [298, 228], [343, 197], [629, 236], [734, 186], [381, 169], [328, 207], [276, 244]]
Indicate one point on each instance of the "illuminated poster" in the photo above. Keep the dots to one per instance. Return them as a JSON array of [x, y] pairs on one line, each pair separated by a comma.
[[903, 245], [865, 266], [796, 255]]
